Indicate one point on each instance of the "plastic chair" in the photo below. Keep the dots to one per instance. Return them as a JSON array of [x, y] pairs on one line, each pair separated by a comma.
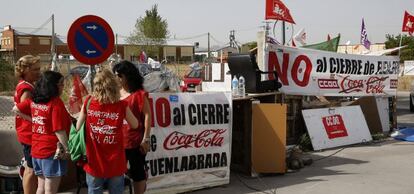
[[12, 152], [245, 65]]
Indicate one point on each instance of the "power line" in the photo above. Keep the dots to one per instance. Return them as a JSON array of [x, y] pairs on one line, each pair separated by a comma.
[[41, 26], [191, 37], [217, 41], [247, 29]]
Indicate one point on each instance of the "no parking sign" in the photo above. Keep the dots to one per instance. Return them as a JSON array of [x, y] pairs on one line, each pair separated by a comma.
[[90, 39]]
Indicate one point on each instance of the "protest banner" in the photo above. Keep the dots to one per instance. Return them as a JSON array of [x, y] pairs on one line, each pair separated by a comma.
[[190, 141], [312, 72]]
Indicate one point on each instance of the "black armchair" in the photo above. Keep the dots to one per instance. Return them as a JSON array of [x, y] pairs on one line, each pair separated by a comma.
[[245, 65]]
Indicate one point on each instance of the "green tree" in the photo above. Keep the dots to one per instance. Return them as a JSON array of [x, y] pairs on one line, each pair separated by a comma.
[[407, 53], [7, 79], [245, 48], [150, 31]]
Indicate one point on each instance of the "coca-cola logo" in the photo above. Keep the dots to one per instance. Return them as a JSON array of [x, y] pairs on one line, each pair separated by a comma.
[[207, 138], [349, 85], [373, 85]]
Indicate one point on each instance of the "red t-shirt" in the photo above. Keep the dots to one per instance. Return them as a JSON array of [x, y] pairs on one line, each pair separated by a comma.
[[47, 118], [104, 139], [23, 127], [133, 137]]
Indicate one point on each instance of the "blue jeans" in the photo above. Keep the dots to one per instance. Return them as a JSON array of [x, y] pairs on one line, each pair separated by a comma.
[[95, 184], [49, 167]]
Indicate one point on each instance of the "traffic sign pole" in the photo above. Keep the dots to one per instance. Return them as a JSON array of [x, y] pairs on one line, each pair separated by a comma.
[[92, 69]]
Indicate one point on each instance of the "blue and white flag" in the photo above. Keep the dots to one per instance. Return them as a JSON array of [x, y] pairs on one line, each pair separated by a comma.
[[364, 36]]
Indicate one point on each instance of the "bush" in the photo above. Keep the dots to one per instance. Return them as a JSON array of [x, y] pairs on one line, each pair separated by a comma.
[[7, 79]]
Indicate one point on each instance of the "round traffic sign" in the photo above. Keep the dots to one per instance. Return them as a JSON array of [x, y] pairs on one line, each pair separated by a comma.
[[90, 39]]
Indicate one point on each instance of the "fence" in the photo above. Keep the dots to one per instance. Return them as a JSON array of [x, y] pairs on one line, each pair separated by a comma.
[[8, 83]]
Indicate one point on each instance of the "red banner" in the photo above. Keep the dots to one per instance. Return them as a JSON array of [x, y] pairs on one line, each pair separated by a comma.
[[408, 23], [276, 10]]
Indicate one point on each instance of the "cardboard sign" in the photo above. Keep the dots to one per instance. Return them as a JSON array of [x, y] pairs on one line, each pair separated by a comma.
[[333, 127]]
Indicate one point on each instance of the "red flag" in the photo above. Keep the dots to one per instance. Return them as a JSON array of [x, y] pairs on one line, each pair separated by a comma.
[[293, 43], [78, 91], [329, 38], [276, 10], [408, 23]]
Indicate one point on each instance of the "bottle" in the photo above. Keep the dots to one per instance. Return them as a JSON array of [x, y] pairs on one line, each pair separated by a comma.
[[235, 86], [242, 86]]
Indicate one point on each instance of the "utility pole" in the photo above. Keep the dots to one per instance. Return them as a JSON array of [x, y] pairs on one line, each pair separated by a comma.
[[208, 46], [231, 37], [283, 33], [116, 44], [52, 49]]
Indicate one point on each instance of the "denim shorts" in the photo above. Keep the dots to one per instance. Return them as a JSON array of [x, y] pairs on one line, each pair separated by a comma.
[[27, 151], [49, 167], [95, 184]]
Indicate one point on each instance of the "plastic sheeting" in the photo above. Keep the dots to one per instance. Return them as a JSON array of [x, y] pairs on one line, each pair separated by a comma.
[[87, 80], [158, 78], [406, 134]]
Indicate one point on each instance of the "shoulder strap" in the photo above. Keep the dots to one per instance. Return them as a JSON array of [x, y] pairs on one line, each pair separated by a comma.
[[89, 102]]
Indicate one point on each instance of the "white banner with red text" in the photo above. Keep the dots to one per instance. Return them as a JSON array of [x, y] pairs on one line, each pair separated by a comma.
[[337, 126], [190, 141], [320, 73]]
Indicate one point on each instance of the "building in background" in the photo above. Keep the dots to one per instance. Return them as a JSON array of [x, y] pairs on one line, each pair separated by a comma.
[[15, 44], [172, 52], [360, 49]]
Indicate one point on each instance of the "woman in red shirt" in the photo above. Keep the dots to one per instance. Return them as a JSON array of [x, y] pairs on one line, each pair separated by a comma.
[[136, 142], [50, 123], [104, 136], [27, 69]]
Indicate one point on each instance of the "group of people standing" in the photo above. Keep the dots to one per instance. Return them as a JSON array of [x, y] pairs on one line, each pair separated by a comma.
[[117, 122]]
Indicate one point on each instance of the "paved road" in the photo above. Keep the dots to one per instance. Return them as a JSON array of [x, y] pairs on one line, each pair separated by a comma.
[[405, 117], [378, 168]]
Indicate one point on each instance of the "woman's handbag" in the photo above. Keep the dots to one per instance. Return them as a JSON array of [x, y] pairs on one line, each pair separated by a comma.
[[76, 143]]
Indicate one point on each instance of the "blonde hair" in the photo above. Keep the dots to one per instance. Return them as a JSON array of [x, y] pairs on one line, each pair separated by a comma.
[[23, 63], [106, 87]]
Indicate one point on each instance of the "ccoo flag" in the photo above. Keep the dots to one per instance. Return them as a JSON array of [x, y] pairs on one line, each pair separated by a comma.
[[408, 23], [276, 10], [364, 36]]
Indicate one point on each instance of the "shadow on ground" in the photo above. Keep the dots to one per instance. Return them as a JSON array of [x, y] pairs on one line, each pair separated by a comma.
[[321, 167]]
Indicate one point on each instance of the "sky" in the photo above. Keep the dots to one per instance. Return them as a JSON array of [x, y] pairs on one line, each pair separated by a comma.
[[194, 18]]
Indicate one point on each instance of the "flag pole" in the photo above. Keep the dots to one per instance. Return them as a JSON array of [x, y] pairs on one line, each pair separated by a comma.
[[399, 54], [399, 50], [396, 90]]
